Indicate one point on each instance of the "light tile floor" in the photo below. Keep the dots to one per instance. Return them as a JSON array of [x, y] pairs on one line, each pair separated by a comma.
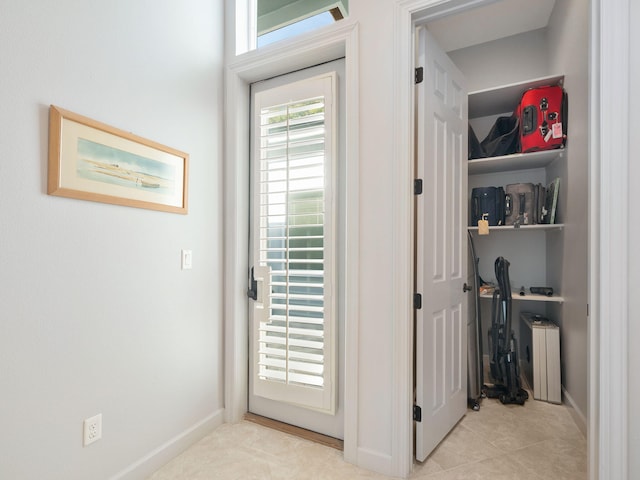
[[538, 441]]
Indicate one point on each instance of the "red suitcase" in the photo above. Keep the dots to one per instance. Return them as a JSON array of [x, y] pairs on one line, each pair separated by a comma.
[[543, 119]]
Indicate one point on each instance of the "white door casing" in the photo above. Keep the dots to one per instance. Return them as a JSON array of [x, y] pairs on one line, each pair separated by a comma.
[[441, 246]]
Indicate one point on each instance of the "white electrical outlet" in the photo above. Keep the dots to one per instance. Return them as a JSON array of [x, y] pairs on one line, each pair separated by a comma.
[[92, 429]]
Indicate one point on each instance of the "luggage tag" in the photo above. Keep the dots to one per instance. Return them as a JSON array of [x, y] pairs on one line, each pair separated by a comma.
[[483, 225], [556, 128]]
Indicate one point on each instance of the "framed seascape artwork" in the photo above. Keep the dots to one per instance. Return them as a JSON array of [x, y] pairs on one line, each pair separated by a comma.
[[93, 161]]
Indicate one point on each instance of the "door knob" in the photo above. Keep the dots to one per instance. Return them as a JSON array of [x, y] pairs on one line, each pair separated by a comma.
[[466, 288], [252, 291]]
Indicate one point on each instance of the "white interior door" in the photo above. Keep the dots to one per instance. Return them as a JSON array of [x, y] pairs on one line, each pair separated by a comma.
[[297, 248], [441, 246]]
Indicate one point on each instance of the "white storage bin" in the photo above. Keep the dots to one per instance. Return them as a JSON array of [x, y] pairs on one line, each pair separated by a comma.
[[540, 357]]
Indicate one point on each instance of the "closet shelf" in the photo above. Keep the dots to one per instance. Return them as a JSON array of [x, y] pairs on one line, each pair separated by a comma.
[[504, 98], [531, 297], [517, 161], [508, 228]]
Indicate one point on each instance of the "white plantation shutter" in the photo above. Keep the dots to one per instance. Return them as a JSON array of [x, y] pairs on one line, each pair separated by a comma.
[[294, 321]]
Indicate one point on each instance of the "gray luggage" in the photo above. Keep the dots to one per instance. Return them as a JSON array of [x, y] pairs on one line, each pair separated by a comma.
[[523, 205]]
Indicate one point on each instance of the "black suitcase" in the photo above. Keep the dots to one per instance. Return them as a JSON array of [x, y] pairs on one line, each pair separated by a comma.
[[487, 203]]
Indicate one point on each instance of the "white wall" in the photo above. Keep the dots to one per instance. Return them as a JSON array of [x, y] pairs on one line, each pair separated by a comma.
[[376, 222], [95, 314], [508, 60], [568, 43], [634, 254]]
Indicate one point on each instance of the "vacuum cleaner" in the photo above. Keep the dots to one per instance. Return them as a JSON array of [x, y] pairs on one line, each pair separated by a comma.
[[503, 346]]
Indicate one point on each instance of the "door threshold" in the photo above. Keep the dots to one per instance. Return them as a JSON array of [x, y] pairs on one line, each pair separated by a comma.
[[296, 431]]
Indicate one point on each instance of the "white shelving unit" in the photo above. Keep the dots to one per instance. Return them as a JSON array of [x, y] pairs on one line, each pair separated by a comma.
[[529, 297], [521, 228], [493, 101], [498, 171], [518, 161]]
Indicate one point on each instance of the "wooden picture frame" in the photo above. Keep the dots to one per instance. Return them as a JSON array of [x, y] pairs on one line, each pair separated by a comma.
[[89, 160]]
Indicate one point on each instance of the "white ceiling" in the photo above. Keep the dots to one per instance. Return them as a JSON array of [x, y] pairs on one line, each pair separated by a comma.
[[499, 19]]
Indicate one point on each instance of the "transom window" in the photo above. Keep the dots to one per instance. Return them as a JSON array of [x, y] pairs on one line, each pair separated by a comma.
[[263, 22]]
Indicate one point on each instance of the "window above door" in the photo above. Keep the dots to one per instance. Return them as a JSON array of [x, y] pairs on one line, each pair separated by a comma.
[[263, 22]]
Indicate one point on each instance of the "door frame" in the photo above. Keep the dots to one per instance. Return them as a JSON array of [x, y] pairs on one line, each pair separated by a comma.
[[609, 93], [322, 45]]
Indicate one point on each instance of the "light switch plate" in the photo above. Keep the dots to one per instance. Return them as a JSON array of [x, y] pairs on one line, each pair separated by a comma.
[[187, 260]]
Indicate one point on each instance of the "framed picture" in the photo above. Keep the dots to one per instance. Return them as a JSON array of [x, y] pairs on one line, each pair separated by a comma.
[[93, 161]]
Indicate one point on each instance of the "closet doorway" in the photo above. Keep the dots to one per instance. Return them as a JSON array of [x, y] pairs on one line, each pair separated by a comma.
[[557, 47]]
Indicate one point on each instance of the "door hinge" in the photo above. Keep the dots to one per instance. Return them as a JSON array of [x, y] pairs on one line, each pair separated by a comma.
[[417, 301], [417, 186], [419, 75], [417, 413]]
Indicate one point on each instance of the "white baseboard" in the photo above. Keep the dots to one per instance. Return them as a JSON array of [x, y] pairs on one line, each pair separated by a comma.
[[577, 414], [374, 461], [155, 459]]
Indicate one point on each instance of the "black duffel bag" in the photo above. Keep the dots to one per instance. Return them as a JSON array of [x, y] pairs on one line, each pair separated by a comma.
[[503, 137], [475, 149]]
